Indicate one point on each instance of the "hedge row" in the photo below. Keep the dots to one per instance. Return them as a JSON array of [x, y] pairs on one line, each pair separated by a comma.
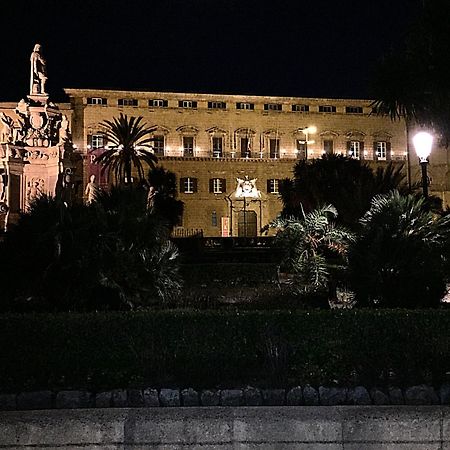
[[223, 349]]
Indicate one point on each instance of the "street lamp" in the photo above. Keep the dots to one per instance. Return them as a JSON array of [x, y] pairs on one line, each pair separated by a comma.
[[423, 142], [307, 131]]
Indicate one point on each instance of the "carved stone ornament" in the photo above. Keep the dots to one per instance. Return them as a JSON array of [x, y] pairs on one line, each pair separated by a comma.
[[247, 188], [35, 188]]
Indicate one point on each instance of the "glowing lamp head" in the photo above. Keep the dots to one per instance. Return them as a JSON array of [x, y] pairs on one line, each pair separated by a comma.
[[423, 142]]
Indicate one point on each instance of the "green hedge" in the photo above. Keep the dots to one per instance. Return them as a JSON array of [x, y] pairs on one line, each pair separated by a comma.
[[222, 349]]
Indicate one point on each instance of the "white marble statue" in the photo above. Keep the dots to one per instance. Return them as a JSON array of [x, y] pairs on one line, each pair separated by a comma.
[[38, 76], [63, 130], [91, 191], [6, 129]]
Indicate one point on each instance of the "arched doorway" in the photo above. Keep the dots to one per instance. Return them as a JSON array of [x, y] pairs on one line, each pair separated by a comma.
[[247, 224]]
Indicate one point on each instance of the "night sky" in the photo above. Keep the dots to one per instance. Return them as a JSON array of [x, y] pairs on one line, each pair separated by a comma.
[[318, 48]]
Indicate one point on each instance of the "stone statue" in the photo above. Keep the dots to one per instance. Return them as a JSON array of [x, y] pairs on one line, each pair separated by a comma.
[[35, 189], [7, 125], [91, 191], [151, 198], [63, 130], [38, 76]]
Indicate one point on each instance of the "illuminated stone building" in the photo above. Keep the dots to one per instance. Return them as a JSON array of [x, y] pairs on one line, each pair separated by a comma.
[[229, 152]]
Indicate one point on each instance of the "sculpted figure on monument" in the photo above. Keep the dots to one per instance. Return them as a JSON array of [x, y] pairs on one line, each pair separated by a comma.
[[63, 130], [38, 71], [6, 128], [91, 191]]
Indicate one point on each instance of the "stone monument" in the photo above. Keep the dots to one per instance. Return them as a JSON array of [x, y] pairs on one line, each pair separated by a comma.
[[35, 145]]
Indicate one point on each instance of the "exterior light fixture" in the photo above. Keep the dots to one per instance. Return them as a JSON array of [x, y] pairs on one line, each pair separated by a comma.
[[423, 143]]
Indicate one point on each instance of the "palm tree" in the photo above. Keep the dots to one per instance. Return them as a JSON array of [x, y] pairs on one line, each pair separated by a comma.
[[400, 257], [129, 138], [315, 246]]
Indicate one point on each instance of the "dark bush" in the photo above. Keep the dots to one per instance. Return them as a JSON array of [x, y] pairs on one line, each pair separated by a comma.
[[222, 349]]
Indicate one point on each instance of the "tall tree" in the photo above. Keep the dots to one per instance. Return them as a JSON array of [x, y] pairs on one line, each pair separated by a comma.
[[129, 139]]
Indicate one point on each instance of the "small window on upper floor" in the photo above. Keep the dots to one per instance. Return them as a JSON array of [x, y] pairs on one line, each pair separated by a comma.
[[187, 104], [353, 109], [243, 105], [97, 101], [217, 105], [127, 102], [327, 108], [300, 108], [157, 103], [273, 106], [273, 186], [97, 141]]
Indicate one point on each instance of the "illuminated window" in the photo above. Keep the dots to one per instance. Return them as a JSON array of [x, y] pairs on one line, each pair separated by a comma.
[[354, 149], [300, 108], [158, 145], [328, 145], [217, 105], [188, 185], [274, 148], [127, 102], [273, 186], [302, 149], [273, 107], [353, 109], [217, 143], [157, 103], [97, 101], [97, 141], [188, 146], [187, 104], [327, 108], [217, 185], [245, 147], [381, 151], [248, 106]]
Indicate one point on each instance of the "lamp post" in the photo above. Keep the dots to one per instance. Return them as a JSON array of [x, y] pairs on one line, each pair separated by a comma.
[[307, 131], [423, 142]]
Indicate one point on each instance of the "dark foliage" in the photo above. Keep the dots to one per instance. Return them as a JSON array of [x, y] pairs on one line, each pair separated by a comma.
[[223, 349], [348, 184]]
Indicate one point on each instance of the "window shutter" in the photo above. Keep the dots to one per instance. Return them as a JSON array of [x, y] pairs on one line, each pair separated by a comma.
[[105, 139], [252, 106], [238, 106], [361, 149], [211, 185], [165, 103], [266, 106], [104, 101], [375, 156], [182, 183], [209, 105], [194, 104], [268, 186], [89, 140], [180, 103], [348, 147], [194, 184], [388, 151], [224, 185]]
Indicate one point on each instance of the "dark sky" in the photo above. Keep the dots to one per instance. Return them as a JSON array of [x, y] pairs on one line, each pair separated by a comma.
[[323, 48]]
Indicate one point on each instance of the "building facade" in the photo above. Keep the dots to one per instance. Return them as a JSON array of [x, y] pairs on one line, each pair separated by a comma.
[[230, 152]]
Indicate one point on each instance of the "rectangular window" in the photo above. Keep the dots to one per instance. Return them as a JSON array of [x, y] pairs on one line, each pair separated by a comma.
[[274, 148], [353, 110], [327, 109], [302, 149], [188, 185], [158, 145], [273, 107], [127, 102], [245, 147], [217, 105], [98, 141], [157, 103], [355, 149], [300, 108], [217, 185], [187, 104], [217, 147], [242, 105], [188, 146], [328, 146], [97, 101], [273, 186], [381, 151]]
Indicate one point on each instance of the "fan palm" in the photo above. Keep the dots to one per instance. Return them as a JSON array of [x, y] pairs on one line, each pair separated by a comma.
[[314, 244], [129, 139], [400, 257]]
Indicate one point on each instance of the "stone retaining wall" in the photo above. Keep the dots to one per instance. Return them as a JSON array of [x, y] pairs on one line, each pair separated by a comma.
[[281, 428], [249, 396]]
